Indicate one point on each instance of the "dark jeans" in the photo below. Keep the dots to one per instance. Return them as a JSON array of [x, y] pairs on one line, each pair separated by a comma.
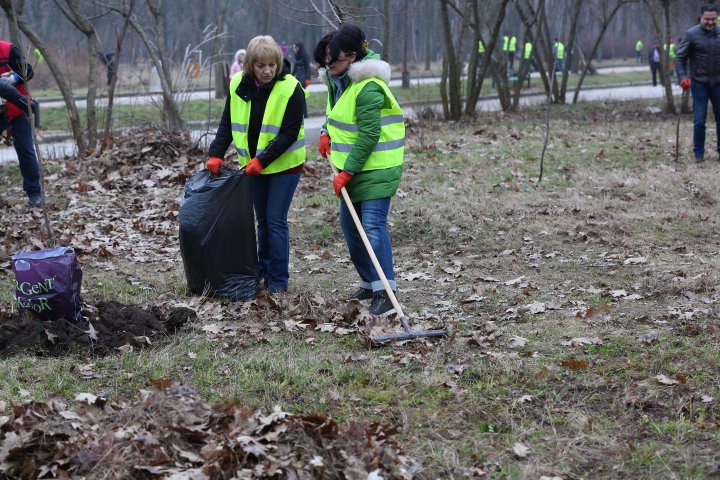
[[373, 217], [701, 94], [272, 195], [655, 69], [25, 149]]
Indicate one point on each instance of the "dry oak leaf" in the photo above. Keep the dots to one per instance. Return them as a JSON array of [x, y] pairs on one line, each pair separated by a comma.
[[520, 450], [576, 342]]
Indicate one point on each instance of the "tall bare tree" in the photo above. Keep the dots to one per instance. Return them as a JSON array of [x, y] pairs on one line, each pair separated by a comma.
[[662, 31], [606, 17], [73, 12], [55, 66], [153, 36]]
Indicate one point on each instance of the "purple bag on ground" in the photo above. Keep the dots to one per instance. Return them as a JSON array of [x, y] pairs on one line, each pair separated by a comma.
[[47, 283]]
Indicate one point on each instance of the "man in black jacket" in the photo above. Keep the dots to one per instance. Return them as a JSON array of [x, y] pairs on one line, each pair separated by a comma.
[[701, 46]]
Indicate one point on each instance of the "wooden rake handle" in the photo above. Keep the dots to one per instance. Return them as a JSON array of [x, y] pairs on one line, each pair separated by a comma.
[[368, 247]]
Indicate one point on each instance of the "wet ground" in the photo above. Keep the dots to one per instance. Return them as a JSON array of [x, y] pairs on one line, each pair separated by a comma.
[[108, 327]]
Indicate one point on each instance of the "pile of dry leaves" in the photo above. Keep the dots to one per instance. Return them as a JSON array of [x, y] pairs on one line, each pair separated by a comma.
[[170, 433]]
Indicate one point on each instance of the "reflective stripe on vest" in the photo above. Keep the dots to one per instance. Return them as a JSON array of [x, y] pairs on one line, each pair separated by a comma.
[[270, 127], [343, 129]]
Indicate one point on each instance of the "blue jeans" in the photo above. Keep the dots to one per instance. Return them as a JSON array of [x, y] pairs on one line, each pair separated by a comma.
[[701, 94], [25, 149], [272, 195], [373, 216]]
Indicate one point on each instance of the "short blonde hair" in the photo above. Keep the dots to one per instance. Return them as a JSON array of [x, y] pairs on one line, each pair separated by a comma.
[[262, 47]]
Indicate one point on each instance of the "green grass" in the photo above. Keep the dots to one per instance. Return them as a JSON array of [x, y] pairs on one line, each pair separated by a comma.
[[460, 404]]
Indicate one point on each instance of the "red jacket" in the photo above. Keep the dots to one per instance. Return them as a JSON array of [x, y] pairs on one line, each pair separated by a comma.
[[12, 110]]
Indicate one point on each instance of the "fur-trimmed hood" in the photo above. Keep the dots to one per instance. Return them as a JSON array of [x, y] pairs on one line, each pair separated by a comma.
[[370, 66]]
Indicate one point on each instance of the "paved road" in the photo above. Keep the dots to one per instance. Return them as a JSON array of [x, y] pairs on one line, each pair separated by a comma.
[[313, 124]]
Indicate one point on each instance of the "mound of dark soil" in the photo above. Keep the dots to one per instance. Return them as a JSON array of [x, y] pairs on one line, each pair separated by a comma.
[[107, 327]]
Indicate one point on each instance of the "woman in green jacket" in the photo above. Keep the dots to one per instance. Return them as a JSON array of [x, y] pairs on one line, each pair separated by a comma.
[[365, 130]]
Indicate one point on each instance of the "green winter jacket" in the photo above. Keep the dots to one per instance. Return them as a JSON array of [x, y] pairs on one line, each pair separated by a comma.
[[373, 184]]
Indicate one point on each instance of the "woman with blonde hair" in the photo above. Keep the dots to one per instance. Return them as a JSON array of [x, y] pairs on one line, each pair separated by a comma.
[[263, 116]]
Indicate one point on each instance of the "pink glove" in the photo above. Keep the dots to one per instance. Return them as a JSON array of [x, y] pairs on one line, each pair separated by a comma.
[[340, 180], [324, 145], [214, 164], [255, 167]]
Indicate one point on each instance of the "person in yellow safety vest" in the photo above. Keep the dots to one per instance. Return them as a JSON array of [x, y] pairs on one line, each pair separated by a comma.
[[638, 51], [512, 50], [481, 51], [263, 116], [365, 130], [672, 53], [528, 60], [558, 52]]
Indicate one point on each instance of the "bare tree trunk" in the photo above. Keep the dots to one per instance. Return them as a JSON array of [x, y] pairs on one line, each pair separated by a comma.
[[603, 28], [56, 69], [82, 23], [475, 82], [160, 58], [528, 36], [569, 50], [541, 47], [651, 7], [387, 27], [221, 73], [107, 127], [450, 62]]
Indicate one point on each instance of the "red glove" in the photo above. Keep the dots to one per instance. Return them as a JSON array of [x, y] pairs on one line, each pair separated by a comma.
[[340, 180], [254, 167], [685, 83], [324, 145], [214, 164], [307, 82]]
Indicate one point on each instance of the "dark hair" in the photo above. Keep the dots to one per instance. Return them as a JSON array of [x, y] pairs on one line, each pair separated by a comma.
[[708, 7], [348, 39]]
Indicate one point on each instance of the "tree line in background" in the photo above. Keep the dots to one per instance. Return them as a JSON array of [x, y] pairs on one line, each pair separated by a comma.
[[74, 36]]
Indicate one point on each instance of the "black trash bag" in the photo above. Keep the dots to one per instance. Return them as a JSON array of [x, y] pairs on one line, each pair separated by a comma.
[[217, 235]]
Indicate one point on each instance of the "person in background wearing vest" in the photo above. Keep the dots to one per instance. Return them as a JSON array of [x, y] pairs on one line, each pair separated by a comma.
[[672, 53], [528, 61], [14, 71], [558, 51], [366, 131], [512, 52], [698, 70], [638, 51], [263, 116]]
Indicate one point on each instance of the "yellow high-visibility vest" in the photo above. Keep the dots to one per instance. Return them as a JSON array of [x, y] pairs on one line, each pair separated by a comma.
[[271, 122], [528, 51], [343, 129], [513, 44]]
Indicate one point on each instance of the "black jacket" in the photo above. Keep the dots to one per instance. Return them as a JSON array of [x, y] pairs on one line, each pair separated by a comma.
[[301, 68], [702, 49], [258, 97]]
